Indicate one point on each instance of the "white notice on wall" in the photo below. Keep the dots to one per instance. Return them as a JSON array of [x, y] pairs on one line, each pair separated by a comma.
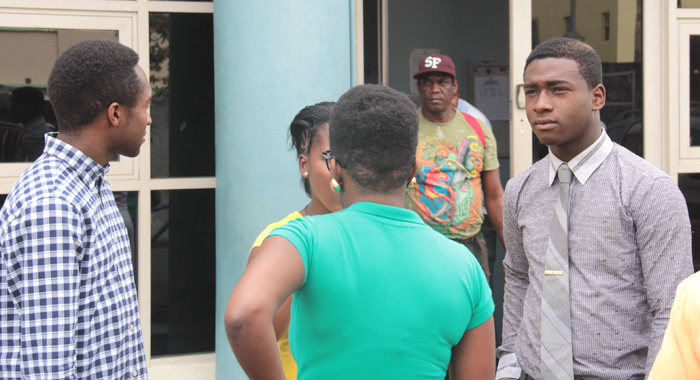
[[491, 96]]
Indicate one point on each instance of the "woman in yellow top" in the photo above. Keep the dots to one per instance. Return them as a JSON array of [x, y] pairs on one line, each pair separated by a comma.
[[309, 136], [679, 356]]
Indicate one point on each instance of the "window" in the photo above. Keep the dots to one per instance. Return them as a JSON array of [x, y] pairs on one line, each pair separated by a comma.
[[688, 3], [694, 82], [172, 181], [606, 26], [182, 134], [689, 91], [183, 285], [690, 187]]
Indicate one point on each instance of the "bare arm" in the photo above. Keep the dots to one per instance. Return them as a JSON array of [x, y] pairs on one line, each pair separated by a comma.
[[281, 321], [493, 200], [271, 277], [473, 357]]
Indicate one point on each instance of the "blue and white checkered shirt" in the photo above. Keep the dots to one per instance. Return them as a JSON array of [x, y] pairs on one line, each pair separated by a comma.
[[68, 305]]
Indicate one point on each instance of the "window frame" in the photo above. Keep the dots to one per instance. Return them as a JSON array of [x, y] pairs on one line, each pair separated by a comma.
[[130, 18]]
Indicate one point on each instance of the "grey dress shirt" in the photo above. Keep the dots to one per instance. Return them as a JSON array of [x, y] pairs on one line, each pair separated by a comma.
[[629, 247]]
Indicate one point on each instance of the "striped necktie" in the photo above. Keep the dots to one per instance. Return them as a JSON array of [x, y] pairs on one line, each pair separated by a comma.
[[556, 354]]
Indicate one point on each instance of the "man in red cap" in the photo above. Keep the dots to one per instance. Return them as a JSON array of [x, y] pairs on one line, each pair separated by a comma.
[[456, 156]]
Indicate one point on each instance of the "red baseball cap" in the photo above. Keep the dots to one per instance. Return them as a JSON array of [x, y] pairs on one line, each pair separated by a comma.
[[436, 63]]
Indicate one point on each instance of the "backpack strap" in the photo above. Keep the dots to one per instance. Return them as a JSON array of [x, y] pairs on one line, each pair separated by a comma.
[[476, 127]]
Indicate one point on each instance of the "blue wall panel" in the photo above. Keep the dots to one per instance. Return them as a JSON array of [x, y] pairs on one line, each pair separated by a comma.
[[271, 59]]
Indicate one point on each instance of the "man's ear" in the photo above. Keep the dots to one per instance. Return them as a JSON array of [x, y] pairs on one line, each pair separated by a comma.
[[114, 114], [598, 97], [304, 165]]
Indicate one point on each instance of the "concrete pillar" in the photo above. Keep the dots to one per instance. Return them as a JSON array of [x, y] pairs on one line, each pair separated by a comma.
[[271, 59]]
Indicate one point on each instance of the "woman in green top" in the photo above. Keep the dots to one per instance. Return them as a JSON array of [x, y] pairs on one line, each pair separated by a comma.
[[308, 133], [377, 293]]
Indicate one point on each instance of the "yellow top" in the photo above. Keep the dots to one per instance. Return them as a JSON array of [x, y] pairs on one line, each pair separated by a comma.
[[679, 356], [288, 363]]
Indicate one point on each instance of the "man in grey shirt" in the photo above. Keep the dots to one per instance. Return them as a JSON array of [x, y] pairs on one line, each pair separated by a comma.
[[629, 242]]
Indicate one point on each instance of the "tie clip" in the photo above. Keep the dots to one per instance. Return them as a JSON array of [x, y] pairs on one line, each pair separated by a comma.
[[554, 272]]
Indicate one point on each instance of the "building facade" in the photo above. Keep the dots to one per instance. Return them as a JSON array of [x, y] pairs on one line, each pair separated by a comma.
[[228, 77]]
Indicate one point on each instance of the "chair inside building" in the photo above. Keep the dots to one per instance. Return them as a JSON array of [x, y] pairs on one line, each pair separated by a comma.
[[10, 140]]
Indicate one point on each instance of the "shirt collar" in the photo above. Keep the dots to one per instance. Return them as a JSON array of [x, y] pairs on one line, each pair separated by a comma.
[[586, 162], [90, 172]]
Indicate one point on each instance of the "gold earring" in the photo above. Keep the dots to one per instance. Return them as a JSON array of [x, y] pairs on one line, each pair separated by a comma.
[[412, 183], [335, 186]]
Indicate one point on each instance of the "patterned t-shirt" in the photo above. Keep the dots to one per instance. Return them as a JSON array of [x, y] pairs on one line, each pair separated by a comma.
[[451, 158]]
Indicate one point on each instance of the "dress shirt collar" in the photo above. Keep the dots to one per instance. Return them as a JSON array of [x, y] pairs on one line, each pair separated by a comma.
[[586, 162], [90, 172]]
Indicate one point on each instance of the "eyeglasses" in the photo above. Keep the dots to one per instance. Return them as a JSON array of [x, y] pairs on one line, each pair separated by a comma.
[[327, 155]]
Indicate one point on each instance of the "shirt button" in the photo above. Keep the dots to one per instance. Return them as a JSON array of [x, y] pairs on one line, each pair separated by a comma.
[[131, 327], [136, 373]]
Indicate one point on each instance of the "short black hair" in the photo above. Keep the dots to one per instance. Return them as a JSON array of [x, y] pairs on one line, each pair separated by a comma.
[[304, 127], [88, 77], [374, 134], [588, 61]]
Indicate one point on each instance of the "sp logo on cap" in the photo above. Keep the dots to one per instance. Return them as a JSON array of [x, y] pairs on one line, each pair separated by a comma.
[[436, 63], [432, 62]]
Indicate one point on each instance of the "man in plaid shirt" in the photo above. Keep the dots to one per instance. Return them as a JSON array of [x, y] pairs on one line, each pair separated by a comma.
[[68, 306]]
